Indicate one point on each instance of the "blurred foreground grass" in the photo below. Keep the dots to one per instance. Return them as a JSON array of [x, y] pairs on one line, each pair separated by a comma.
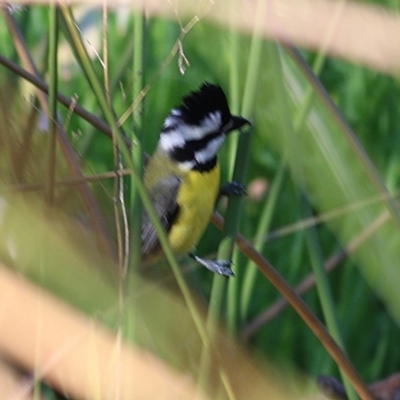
[[315, 188]]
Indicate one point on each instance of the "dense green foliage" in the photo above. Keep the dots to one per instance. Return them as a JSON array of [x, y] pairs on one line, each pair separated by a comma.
[[308, 165]]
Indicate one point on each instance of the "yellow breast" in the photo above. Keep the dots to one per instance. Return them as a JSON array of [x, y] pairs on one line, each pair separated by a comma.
[[196, 199]]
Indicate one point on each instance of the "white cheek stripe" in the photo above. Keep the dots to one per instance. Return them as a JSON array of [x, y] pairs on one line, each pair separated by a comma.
[[177, 134], [210, 151], [172, 139], [176, 112], [210, 123], [187, 165]]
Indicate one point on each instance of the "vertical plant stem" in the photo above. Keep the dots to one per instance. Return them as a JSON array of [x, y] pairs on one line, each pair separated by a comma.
[[348, 134], [250, 269], [109, 116], [51, 165], [251, 82], [234, 79], [134, 238], [235, 204], [53, 86], [226, 246], [314, 251], [65, 146], [135, 217], [107, 90], [117, 203]]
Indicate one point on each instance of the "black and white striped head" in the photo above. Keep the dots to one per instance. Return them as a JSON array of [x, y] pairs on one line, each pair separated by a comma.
[[193, 133]]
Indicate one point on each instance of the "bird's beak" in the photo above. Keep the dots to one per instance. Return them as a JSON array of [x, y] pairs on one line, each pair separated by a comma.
[[237, 122]]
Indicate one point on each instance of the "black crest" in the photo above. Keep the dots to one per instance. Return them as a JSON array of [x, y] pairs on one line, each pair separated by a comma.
[[197, 105]]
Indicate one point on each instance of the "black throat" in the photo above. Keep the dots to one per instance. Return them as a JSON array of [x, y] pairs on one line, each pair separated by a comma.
[[185, 154]]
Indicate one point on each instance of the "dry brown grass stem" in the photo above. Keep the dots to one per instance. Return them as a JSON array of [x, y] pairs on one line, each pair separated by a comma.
[[74, 353]]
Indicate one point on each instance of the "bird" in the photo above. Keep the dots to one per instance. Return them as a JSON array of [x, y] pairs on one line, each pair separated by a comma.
[[182, 177]]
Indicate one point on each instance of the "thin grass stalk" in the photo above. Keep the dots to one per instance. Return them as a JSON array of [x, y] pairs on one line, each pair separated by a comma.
[[21, 161], [324, 293], [134, 233], [235, 202], [251, 82], [325, 217], [231, 227], [226, 247], [313, 323], [53, 86], [89, 70], [138, 79], [100, 125], [106, 81], [225, 251], [301, 308], [219, 283], [86, 194], [348, 134], [317, 263], [51, 170], [259, 242], [118, 200], [175, 49], [234, 75], [231, 223], [52, 139], [234, 79], [64, 182], [309, 282]]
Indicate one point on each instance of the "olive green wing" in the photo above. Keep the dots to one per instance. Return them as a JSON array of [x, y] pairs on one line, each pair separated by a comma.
[[164, 197]]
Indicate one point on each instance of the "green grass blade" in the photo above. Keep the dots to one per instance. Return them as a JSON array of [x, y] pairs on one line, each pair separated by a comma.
[[139, 128], [53, 89], [99, 93], [270, 206]]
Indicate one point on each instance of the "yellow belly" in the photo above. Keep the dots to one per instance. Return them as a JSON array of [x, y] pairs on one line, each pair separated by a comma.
[[196, 199]]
